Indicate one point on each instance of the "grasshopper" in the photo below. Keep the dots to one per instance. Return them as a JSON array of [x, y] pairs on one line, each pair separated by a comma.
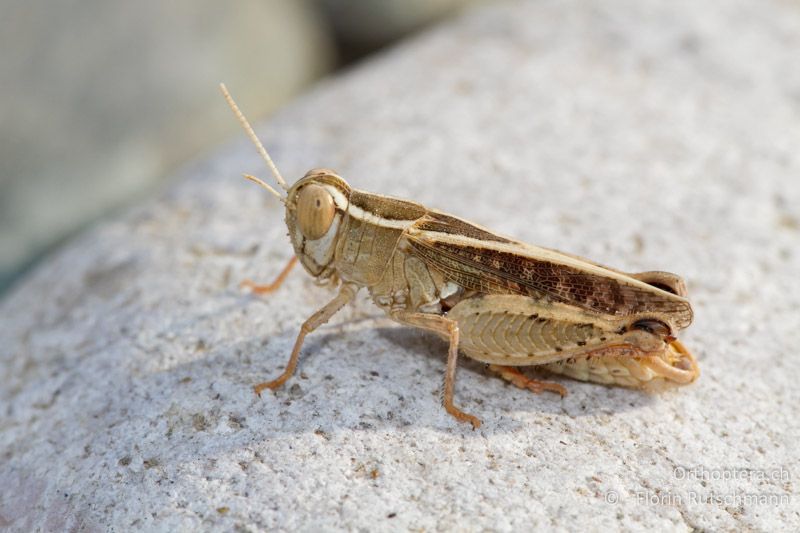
[[498, 300]]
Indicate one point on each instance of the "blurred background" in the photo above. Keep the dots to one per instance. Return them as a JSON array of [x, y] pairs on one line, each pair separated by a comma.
[[101, 100]]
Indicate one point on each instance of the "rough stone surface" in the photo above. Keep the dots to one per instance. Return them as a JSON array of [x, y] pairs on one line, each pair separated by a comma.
[[641, 134]]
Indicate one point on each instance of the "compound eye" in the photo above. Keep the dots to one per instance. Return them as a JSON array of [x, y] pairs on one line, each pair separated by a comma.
[[315, 211]]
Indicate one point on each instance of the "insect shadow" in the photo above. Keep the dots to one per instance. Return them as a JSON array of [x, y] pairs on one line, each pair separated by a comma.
[[362, 375], [350, 360], [476, 383]]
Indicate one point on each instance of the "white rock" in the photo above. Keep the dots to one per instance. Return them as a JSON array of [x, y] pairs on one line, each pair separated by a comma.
[[641, 134]]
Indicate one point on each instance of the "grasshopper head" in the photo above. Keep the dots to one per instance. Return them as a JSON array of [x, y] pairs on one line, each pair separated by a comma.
[[315, 207]]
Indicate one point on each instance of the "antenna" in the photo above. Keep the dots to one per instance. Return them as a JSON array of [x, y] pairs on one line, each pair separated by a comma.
[[269, 188], [253, 137]]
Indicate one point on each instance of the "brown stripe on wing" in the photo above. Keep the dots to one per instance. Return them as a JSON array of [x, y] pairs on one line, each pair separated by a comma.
[[499, 272]]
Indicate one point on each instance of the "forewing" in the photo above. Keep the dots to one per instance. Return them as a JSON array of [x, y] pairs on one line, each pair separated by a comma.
[[489, 270]]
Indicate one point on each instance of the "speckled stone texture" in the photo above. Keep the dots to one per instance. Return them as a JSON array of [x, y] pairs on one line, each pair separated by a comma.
[[644, 135]]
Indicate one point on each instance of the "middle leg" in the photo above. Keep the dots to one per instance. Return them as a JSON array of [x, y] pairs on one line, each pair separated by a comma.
[[448, 328]]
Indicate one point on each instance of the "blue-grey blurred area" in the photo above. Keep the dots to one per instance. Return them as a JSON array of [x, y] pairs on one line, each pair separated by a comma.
[[100, 100]]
